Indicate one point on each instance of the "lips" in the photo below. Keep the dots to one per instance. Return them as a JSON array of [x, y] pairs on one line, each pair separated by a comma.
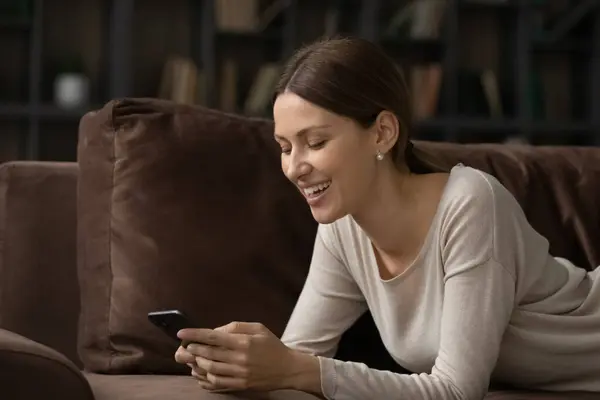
[[315, 190]]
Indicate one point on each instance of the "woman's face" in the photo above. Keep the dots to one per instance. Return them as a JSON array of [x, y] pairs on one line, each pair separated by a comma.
[[330, 158]]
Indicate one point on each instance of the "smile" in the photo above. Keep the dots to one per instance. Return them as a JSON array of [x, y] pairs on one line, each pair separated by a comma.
[[314, 191]]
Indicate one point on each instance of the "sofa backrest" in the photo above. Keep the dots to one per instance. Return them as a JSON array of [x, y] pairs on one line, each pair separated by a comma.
[[558, 187], [39, 294]]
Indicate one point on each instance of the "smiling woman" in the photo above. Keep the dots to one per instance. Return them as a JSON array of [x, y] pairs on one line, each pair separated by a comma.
[[462, 288], [333, 112]]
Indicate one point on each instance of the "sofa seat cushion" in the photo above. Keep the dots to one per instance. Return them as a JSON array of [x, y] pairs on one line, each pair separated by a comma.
[[531, 395], [161, 387], [30, 370]]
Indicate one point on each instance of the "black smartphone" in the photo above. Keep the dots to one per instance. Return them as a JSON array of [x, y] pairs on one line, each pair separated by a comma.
[[170, 322]]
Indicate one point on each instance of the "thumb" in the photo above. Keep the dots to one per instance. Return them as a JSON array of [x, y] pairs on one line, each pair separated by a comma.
[[248, 328]]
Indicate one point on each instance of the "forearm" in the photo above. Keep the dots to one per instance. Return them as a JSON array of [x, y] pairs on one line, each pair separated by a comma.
[[305, 374], [351, 380]]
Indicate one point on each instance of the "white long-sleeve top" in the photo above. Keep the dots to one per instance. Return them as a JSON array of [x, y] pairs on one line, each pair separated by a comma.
[[483, 302]]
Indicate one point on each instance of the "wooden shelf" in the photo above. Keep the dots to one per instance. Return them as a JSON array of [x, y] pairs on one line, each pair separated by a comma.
[[468, 124], [420, 50], [52, 112], [9, 111], [505, 126], [495, 6], [248, 37], [562, 46], [14, 23]]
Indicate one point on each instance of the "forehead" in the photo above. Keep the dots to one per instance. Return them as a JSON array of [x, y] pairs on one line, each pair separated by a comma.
[[292, 114]]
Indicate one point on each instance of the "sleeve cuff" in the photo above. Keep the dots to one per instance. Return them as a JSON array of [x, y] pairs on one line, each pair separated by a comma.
[[328, 377]]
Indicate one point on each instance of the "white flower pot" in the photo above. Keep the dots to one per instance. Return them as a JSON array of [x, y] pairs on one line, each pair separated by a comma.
[[71, 90]]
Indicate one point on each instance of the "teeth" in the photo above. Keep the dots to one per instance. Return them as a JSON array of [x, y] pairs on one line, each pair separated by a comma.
[[313, 189]]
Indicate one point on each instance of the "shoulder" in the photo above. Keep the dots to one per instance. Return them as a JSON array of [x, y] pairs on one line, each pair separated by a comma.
[[479, 219], [471, 183], [343, 238], [473, 193]]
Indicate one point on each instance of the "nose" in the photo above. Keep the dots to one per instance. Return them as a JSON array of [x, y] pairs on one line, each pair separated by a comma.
[[295, 165]]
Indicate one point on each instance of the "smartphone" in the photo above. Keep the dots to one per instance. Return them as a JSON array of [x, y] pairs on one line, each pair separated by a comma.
[[170, 322]]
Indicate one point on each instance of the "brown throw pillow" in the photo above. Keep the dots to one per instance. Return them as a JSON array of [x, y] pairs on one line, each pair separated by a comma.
[[181, 207]]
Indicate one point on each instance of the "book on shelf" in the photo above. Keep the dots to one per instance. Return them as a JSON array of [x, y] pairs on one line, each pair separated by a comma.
[[479, 93], [229, 85], [261, 91], [236, 15], [182, 81], [417, 20], [247, 16], [425, 82]]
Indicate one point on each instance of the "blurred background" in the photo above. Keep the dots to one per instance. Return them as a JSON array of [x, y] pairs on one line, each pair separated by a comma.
[[479, 70]]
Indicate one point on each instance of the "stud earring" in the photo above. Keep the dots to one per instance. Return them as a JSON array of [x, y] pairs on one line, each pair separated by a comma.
[[379, 155]]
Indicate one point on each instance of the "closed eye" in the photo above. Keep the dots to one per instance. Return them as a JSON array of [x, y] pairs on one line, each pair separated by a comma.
[[317, 145], [312, 146]]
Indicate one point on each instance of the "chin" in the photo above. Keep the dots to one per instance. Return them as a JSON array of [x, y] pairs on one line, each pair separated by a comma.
[[326, 208], [325, 217]]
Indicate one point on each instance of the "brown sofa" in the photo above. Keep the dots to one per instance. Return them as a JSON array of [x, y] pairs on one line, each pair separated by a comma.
[[171, 206]]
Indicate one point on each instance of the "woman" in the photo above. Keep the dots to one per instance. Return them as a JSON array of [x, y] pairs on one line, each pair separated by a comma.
[[462, 289]]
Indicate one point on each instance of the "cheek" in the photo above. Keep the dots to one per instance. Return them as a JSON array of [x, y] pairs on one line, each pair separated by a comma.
[[358, 173], [284, 164]]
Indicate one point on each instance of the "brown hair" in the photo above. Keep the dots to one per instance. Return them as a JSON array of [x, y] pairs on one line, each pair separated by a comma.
[[355, 78]]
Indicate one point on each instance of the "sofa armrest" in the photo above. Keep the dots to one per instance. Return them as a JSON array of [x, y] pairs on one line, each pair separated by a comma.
[[31, 370], [38, 222]]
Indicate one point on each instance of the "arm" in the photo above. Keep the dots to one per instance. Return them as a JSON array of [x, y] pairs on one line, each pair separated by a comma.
[[477, 305], [479, 257], [329, 304]]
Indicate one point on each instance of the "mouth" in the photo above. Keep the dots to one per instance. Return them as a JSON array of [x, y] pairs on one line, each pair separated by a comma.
[[315, 191]]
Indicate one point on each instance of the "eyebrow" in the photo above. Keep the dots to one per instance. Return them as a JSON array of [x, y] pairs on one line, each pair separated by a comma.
[[304, 131]]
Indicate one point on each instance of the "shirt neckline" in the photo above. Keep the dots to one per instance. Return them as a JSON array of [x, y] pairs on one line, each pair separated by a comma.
[[433, 227]]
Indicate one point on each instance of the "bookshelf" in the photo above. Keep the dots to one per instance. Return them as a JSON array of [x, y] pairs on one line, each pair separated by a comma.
[[547, 70]]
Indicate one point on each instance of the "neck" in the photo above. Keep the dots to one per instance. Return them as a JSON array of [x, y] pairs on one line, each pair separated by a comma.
[[390, 208]]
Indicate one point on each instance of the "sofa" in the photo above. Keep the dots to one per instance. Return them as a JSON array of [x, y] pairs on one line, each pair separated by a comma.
[[173, 206]]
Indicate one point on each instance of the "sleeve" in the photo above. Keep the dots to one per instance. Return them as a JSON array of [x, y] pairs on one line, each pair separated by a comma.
[[479, 294], [330, 302]]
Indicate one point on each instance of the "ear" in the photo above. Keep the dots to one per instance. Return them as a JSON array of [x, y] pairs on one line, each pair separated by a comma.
[[387, 131]]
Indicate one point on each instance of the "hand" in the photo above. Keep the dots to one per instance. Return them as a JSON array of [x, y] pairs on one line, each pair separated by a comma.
[[183, 356], [238, 356]]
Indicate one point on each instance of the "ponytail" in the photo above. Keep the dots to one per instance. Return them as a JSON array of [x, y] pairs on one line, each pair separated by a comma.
[[420, 161]]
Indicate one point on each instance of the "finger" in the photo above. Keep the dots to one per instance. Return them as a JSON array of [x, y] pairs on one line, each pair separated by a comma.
[[249, 328], [182, 356], [220, 368], [231, 383], [216, 353], [214, 338], [209, 387], [199, 373], [206, 384]]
